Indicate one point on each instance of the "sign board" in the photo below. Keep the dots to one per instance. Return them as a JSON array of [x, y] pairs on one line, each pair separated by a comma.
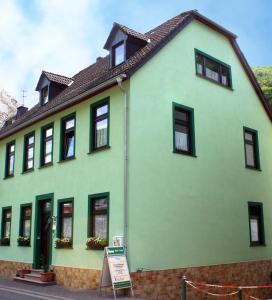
[[115, 271]]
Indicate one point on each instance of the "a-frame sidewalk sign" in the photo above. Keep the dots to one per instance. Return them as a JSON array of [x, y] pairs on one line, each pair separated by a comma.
[[115, 271]]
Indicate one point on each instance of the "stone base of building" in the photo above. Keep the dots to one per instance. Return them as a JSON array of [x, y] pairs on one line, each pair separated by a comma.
[[166, 284]]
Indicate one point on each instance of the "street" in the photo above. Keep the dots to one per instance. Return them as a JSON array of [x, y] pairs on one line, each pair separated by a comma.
[[10, 290]]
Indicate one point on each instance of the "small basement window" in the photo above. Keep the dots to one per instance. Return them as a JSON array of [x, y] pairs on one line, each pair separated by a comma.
[[118, 54], [212, 69]]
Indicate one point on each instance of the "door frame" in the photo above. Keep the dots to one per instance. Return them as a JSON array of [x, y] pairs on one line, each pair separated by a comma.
[[37, 225]]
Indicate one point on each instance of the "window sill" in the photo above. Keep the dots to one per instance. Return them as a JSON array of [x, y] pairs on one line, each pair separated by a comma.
[[99, 149], [3, 245], [254, 169], [213, 81], [27, 246], [65, 247], [66, 159], [8, 177], [27, 171], [184, 153], [45, 166], [257, 245]]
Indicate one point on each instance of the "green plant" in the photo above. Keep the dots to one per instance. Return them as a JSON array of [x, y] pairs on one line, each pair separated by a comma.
[[63, 242], [23, 240], [96, 243]]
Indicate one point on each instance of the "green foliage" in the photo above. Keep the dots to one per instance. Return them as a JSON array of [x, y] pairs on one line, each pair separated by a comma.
[[264, 77]]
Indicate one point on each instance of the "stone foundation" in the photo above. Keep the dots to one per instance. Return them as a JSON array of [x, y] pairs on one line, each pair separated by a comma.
[[166, 285]]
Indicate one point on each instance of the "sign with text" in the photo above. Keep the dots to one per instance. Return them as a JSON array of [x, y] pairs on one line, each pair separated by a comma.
[[115, 269]]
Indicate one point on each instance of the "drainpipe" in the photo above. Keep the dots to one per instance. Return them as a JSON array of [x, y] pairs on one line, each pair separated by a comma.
[[125, 94]]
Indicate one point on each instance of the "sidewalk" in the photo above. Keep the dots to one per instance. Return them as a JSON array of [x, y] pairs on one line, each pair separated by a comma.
[[10, 289]]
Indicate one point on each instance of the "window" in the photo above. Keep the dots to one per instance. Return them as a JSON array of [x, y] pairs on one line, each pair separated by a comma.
[[213, 69], [47, 145], [68, 137], [10, 157], [6, 226], [183, 133], [99, 125], [256, 224], [45, 95], [251, 149], [29, 145], [98, 225], [25, 220], [65, 219], [118, 54]]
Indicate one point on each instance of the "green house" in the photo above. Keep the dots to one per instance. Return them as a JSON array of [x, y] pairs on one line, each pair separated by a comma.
[[164, 145]]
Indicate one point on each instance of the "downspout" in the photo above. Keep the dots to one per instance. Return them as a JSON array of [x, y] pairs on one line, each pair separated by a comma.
[[125, 186]]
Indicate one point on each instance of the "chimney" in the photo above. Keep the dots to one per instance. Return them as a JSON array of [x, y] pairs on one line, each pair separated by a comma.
[[98, 58], [21, 110]]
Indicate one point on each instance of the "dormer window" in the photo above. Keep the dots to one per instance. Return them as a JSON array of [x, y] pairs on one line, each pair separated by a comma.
[[118, 54], [44, 94]]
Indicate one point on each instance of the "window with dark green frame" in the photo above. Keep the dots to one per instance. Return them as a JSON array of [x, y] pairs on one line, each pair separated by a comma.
[[98, 216], [68, 133], [256, 224], [99, 125], [25, 220], [6, 226], [212, 69], [29, 146], [251, 144], [46, 155], [183, 129], [10, 159], [65, 219]]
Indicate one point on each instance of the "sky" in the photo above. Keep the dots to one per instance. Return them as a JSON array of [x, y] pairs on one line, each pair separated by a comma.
[[65, 36]]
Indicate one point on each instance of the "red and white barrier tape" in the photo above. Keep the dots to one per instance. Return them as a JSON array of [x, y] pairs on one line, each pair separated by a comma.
[[230, 286], [209, 293]]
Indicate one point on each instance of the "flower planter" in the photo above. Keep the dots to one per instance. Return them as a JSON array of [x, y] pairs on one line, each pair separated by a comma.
[[64, 246], [64, 243], [22, 272], [96, 243], [5, 242], [47, 276]]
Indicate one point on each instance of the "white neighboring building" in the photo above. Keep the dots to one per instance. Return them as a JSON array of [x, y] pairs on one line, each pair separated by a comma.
[[8, 106]]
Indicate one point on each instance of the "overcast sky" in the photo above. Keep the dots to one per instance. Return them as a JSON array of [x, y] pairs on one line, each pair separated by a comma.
[[65, 36]]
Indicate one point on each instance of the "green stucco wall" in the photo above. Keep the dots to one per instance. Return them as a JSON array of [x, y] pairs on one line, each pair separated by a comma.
[[187, 211], [87, 174], [183, 211]]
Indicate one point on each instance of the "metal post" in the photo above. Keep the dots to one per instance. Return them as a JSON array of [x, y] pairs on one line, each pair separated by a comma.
[[183, 288], [240, 294]]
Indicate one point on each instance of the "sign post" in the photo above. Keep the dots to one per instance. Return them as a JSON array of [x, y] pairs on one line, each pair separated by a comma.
[[115, 271]]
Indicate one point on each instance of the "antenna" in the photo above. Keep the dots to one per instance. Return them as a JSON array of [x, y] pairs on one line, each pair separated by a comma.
[[24, 96]]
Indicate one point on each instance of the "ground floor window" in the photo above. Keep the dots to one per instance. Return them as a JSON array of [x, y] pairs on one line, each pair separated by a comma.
[[25, 225], [98, 215], [65, 223], [6, 226], [256, 224]]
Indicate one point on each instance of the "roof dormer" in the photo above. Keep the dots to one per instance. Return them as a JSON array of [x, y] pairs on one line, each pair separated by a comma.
[[122, 43], [50, 85]]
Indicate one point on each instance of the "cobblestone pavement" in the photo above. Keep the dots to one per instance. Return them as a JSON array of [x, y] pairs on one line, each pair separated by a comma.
[[11, 290]]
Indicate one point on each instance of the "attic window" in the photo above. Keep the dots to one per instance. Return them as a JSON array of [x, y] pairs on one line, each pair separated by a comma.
[[118, 54], [44, 94]]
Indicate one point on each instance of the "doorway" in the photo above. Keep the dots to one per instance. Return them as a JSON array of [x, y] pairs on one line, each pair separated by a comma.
[[43, 231]]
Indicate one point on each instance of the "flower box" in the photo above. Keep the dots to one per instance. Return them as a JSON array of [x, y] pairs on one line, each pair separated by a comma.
[[23, 241], [96, 243], [47, 276], [64, 243], [5, 241], [21, 273]]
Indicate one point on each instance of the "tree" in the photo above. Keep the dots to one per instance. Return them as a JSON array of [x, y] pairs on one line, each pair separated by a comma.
[[264, 77]]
